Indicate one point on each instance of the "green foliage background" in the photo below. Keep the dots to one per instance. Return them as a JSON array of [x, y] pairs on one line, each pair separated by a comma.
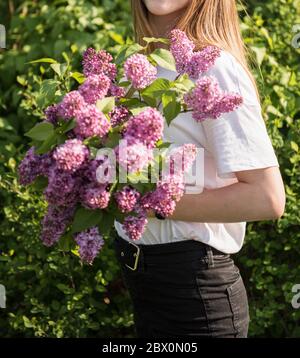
[[49, 294]]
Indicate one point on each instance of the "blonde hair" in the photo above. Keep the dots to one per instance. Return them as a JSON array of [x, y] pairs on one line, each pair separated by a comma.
[[206, 22]]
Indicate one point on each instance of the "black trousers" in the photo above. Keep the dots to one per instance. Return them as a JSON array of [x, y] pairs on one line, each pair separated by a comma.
[[184, 288]]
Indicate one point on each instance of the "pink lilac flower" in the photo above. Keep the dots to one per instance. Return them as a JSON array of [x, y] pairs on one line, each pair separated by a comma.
[[34, 165], [95, 87], [207, 100], [135, 226], [95, 63], [95, 197], [188, 61], [91, 122], [55, 222], [127, 198], [182, 49], [163, 199], [180, 159], [63, 187], [51, 113], [71, 155], [90, 243], [119, 115], [71, 105], [101, 170], [139, 71], [116, 91], [202, 61], [147, 127], [133, 155]]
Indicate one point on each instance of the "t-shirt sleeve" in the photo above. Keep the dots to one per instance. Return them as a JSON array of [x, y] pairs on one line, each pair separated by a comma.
[[238, 140]]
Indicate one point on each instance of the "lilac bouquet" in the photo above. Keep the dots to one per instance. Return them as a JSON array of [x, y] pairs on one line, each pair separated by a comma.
[[99, 154]]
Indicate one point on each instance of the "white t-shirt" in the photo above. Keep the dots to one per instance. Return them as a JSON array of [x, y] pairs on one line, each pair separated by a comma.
[[234, 142]]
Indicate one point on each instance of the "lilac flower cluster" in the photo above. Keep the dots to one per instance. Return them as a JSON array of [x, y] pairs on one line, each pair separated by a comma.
[[147, 127], [139, 71], [119, 115], [96, 63], [95, 87], [55, 222], [33, 165], [132, 155], [71, 155], [91, 122], [134, 226], [188, 61], [90, 243], [127, 199], [207, 100], [95, 197]]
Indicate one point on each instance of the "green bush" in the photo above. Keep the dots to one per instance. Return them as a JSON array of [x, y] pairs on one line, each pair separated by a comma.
[[49, 293]]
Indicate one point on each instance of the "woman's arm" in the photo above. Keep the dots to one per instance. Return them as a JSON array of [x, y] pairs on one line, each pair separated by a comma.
[[259, 195]]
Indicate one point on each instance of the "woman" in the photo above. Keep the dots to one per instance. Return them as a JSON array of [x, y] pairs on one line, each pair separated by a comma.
[[180, 275]]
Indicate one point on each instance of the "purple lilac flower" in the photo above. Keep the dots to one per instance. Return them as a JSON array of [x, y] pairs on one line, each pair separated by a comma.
[[147, 127], [63, 187], [71, 105], [90, 243], [91, 122], [34, 165], [96, 63], [207, 100], [139, 71], [118, 116], [126, 199], [95, 197], [135, 226], [95, 87], [51, 113], [133, 155], [202, 61], [182, 49], [71, 155], [116, 91], [55, 222]]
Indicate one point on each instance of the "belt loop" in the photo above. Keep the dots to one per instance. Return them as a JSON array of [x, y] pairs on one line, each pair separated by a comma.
[[210, 257]]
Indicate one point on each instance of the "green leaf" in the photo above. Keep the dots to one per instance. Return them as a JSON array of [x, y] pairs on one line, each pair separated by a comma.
[[154, 92], [66, 126], [79, 77], [126, 51], [294, 146], [40, 131], [164, 58], [85, 218], [156, 39], [66, 242], [136, 110], [40, 183], [260, 53], [106, 224], [106, 104], [171, 108], [44, 60], [48, 144], [59, 68], [47, 92]]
